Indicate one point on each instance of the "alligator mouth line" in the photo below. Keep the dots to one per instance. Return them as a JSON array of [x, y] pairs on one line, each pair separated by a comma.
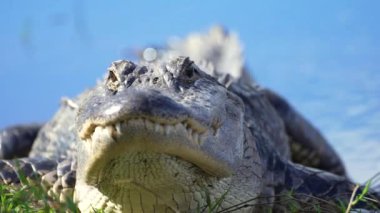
[[180, 138], [193, 128]]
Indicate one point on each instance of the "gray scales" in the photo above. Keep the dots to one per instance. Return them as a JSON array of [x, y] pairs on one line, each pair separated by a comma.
[[163, 135]]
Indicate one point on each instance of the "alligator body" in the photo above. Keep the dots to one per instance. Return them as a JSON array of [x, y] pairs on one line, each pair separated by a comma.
[[167, 136]]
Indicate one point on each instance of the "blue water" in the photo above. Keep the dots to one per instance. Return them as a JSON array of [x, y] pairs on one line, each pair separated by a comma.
[[344, 104], [323, 56]]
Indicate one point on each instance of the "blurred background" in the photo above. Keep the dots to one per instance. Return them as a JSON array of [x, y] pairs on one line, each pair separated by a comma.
[[323, 56]]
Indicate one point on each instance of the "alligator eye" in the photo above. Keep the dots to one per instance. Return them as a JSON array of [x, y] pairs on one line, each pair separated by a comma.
[[191, 73], [128, 68], [112, 82], [112, 76]]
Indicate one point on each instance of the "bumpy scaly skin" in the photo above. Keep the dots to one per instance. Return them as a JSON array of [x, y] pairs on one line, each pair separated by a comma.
[[219, 54], [165, 136], [151, 151]]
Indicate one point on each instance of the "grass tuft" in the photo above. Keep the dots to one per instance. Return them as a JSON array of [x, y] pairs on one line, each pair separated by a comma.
[[31, 197]]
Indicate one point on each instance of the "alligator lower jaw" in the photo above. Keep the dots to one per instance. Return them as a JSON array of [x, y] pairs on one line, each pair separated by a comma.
[[145, 182], [144, 136]]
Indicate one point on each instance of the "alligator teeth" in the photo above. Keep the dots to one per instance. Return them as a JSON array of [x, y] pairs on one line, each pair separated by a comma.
[[104, 134], [139, 122], [148, 124], [168, 129], [190, 132], [179, 128], [158, 128], [202, 138], [112, 132], [195, 137], [118, 127]]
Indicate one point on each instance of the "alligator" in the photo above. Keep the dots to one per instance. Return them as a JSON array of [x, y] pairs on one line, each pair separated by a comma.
[[169, 136]]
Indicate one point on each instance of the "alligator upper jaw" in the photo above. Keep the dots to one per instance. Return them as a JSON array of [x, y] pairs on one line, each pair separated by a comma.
[[183, 139]]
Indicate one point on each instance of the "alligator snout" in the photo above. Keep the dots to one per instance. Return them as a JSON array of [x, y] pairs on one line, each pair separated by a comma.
[[135, 104]]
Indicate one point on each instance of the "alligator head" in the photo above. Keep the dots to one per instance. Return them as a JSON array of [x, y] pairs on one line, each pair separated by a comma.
[[161, 137]]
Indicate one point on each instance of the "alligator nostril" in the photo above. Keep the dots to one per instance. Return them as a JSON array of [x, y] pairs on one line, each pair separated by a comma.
[[112, 81], [155, 80], [189, 72], [112, 76], [142, 70]]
